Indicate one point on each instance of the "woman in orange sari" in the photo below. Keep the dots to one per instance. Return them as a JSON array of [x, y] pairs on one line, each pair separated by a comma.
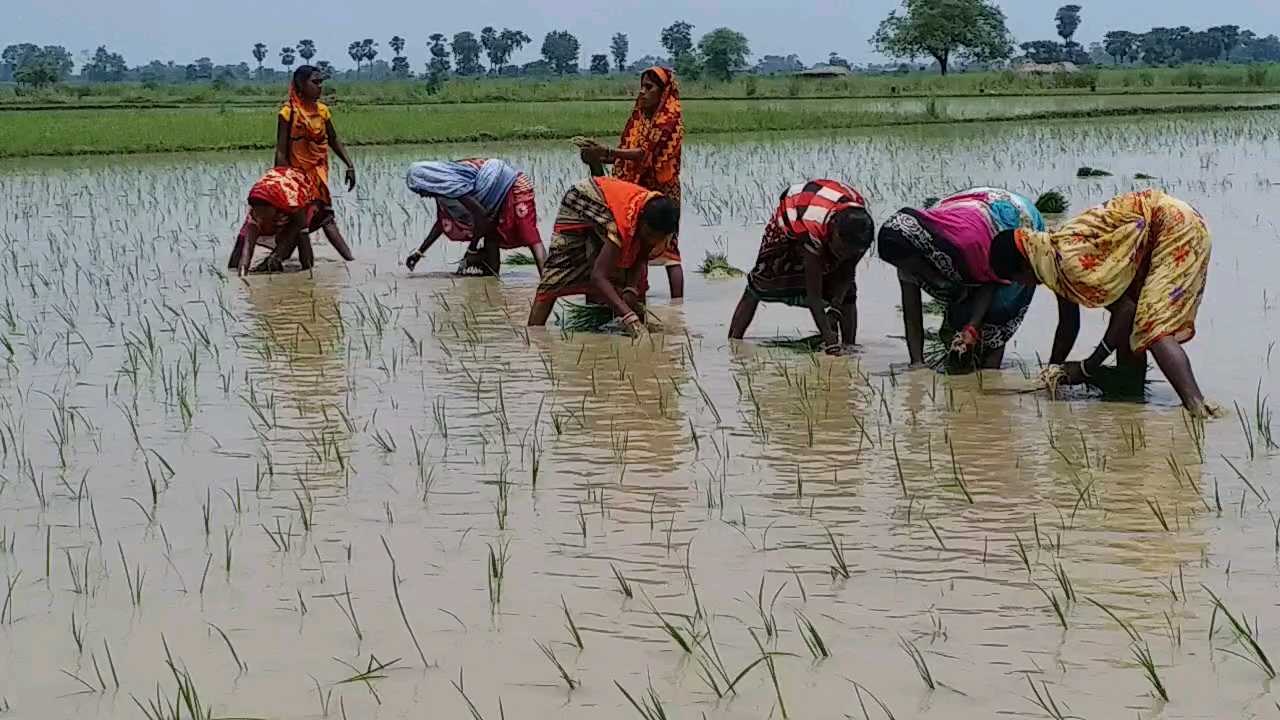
[[279, 204], [649, 154], [605, 233], [304, 135]]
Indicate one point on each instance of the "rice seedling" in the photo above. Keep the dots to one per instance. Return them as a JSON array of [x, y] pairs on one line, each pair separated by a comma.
[[812, 639], [1245, 636], [771, 666], [715, 265], [404, 616], [918, 660], [841, 567], [498, 560], [551, 657], [650, 705], [858, 689], [1052, 202], [572, 626], [1142, 654], [624, 585], [241, 665], [1043, 699]]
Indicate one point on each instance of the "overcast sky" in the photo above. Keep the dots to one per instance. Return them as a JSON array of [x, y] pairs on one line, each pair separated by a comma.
[[225, 30]]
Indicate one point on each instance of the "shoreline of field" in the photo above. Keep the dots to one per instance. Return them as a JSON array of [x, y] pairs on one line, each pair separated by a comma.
[[374, 127]]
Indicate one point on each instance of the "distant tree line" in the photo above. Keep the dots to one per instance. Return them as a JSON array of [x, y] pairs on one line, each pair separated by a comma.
[[973, 32]]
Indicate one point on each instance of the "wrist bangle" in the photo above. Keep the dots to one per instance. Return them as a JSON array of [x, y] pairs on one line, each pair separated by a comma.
[[1107, 350], [629, 318], [1084, 370]]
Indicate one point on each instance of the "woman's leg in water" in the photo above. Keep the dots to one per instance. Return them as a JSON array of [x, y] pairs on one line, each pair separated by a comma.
[[1176, 366], [675, 278]]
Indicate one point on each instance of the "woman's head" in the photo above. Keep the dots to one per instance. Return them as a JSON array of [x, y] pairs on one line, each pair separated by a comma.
[[854, 227], [659, 221], [652, 85], [308, 82], [1008, 262]]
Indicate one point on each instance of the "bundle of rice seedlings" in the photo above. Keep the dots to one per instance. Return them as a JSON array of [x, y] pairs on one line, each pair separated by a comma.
[[1144, 176], [716, 266], [806, 345], [1088, 172], [930, 202], [934, 307], [519, 258], [584, 317], [1052, 202]]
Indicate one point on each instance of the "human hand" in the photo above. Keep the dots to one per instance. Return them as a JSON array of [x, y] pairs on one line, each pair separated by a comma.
[[1074, 374], [965, 341], [412, 261], [633, 325], [351, 178]]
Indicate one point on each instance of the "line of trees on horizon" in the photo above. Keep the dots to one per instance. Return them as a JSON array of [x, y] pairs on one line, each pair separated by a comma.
[[971, 33]]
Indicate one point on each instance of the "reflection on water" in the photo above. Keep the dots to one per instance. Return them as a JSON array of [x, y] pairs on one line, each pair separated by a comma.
[[241, 451]]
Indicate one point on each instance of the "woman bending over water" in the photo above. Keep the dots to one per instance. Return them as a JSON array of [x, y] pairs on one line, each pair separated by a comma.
[[808, 255], [945, 250], [1145, 257], [304, 135], [605, 233], [479, 200], [649, 154], [279, 204]]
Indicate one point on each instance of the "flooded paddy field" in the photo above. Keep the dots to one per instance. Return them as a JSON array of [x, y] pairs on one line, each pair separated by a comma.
[[366, 493]]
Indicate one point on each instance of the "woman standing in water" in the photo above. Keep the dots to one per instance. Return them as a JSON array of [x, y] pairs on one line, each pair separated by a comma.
[[605, 233], [807, 258], [1145, 257], [946, 251], [304, 135], [649, 154], [479, 200], [278, 207]]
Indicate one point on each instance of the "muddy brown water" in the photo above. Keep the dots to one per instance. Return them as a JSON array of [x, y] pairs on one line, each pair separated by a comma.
[[317, 416]]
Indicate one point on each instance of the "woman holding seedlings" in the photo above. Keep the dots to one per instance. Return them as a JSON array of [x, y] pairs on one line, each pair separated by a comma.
[[807, 258], [1145, 257], [304, 135], [279, 204], [945, 250], [479, 200], [605, 233], [649, 153]]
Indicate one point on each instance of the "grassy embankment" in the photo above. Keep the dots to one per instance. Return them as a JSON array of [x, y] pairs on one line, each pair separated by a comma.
[[1232, 78], [365, 114]]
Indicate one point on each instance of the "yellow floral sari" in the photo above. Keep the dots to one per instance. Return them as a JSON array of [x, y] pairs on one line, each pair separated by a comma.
[[1149, 245]]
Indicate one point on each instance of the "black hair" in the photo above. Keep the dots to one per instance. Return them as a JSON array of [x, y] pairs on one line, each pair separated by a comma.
[[259, 202], [890, 251], [303, 74], [855, 227], [661, 214], [1007, 260]]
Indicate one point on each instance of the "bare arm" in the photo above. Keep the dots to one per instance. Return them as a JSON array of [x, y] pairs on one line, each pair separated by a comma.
[[335, 142], [982, 299], [846, 300], [282, 143], [436, 231], [1064, 339], [813, 296], [606, 261], [481, 223], [913, 321], [1119, 328]]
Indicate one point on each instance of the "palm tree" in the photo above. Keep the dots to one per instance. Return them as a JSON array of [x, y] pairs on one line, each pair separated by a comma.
[[369, 50], [259, 54], [397, 45], [307, 49], [356, 52], [287, 57]]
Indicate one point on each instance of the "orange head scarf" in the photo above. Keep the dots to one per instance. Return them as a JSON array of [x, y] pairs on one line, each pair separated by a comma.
[[626, 201], [660, 136]]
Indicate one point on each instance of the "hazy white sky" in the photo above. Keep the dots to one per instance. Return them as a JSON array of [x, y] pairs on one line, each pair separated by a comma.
[[225, 30]]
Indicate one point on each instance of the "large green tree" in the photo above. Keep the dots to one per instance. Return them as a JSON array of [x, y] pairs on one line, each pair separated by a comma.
[[560, 49], [38, 66], [1068, 21], [259, 54], [942, 29], [1227, 38], [438, 67], [466, 53], [1122, 45], [724, 51], [287, 57], [105, 66], [677, 38], [500, 46], [620, 46]]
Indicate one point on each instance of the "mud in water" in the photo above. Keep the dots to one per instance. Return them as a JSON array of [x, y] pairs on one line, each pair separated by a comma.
[[221, 472]]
